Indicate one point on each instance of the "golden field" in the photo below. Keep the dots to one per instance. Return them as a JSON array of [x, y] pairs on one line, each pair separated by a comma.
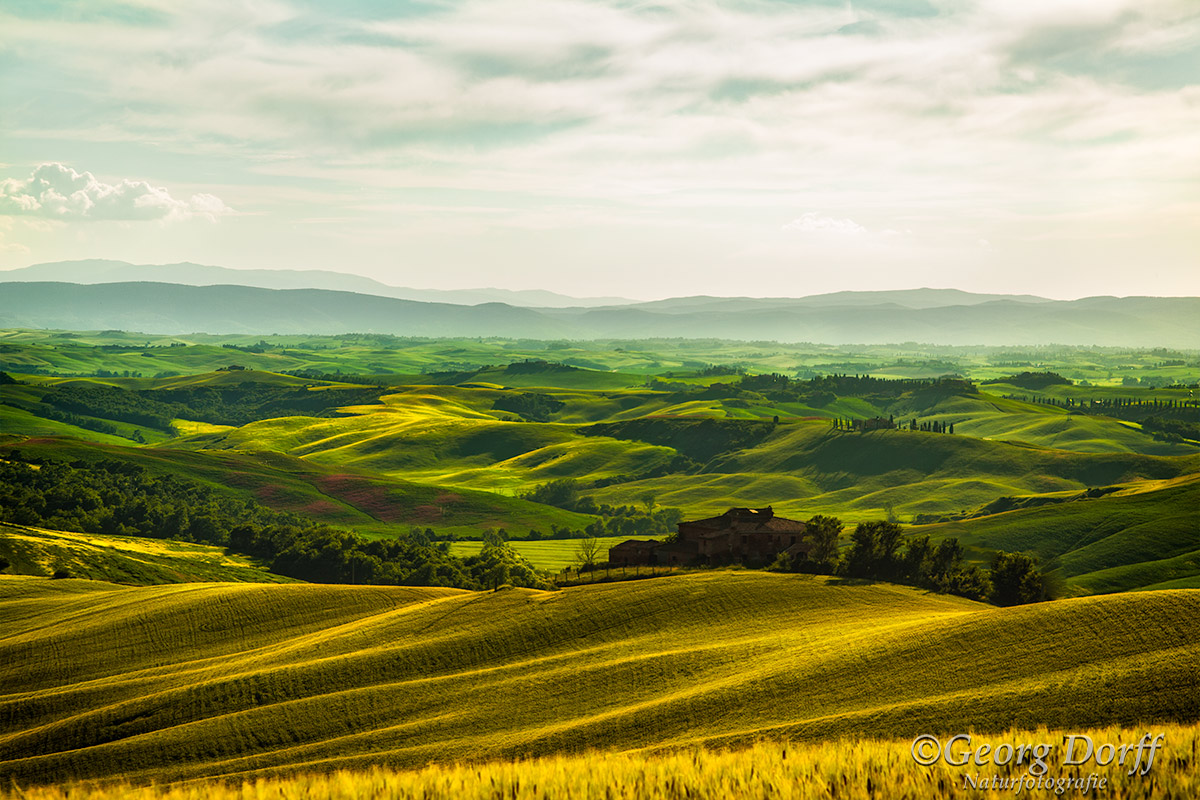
[[769, 770]]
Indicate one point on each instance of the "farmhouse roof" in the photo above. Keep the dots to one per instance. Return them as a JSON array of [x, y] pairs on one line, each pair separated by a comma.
[[635, 544], [747, 520]]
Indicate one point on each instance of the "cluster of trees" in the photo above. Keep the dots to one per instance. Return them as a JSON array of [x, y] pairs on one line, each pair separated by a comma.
[[87, 423], [714, 370], [534, 366], [1171, 430], [1032, 380], [931, 426], [697, 440], [1112, 406], [879, 551], [819, 390], [223, 405], [625, 520], [333, 377], [532, 406], [137, 408], [258, 348], [860, 425], [102, 373], [120, 498], [889, 423]]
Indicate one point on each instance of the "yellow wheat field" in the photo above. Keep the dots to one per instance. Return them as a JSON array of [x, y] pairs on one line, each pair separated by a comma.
[[777, 770]]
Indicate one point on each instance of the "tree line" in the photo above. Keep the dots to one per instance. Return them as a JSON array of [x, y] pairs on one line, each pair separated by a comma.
[[623, 520], [879, 551], [225, 405], [114, 497]]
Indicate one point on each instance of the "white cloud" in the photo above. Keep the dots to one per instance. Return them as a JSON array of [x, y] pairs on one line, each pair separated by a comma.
[[59, 192], [812, 222], [989, 119]]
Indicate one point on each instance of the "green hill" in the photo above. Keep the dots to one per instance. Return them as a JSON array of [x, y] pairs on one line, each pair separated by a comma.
[[371, 504], [811, 467], [447, 435], [1138, 537], [171, 682], [123, 559]]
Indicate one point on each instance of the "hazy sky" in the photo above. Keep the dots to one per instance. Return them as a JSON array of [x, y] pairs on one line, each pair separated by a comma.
[[633, 148]]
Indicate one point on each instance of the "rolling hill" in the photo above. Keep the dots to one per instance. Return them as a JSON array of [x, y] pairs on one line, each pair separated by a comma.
[[371, 504], [123, 559], [176, 682], [1138, 536], [808, 468]]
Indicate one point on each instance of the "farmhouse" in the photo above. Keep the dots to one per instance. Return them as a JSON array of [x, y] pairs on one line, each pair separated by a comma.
[[747, 535]]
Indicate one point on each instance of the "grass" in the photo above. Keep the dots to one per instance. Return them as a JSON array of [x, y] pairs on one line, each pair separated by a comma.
[[547, 554], [123, 559], [786, 771], [239, 681]]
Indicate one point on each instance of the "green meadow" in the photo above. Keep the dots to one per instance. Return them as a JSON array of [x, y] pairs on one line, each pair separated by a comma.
[[553, 554]]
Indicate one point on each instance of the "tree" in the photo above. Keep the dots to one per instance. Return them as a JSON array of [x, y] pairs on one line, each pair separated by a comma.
[[648, 498], [944, 562], [824, 533], [874, 548], [4, 561], [969, 583], [1015, 580], [563, 493], [587, 551]]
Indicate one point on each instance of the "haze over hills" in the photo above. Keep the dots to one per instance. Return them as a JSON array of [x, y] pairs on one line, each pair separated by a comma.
[[904, 298], [99, 270], [177, 309]]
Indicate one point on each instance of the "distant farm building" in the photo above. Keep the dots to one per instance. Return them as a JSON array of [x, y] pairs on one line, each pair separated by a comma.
[[740, 535]]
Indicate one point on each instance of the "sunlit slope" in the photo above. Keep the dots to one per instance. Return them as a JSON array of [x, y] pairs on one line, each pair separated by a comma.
[[811, 467], [452, 435], [372, 504], [14, 419], [164, 682], [122, 559], [447, 435], [1134, 538], [992, 416]]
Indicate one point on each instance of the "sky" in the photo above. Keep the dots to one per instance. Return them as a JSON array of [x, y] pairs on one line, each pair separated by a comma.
[[638, 149]]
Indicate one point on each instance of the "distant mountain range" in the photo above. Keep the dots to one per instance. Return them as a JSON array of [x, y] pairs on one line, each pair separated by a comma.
[[842, 318], [104, 271]]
